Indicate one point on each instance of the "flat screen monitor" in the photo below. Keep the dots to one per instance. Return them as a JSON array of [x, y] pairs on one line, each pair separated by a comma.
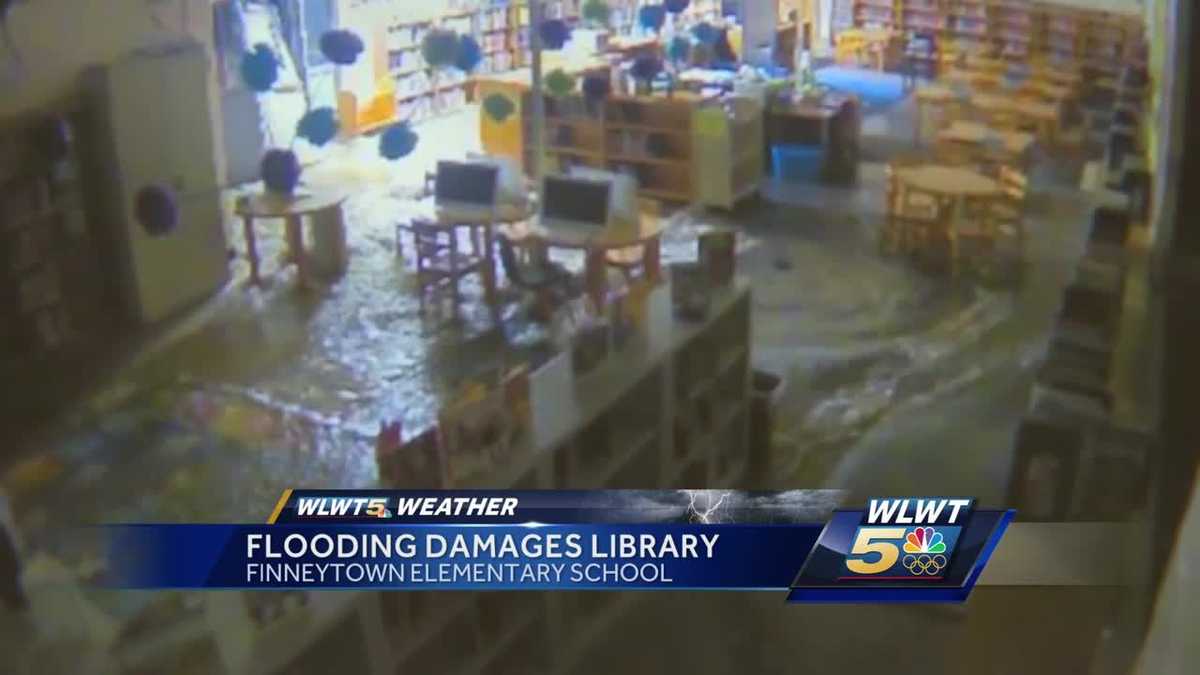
[[466, 183], [576, 200]]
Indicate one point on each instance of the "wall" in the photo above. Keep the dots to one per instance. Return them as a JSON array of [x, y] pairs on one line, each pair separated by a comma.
[[58, 39]]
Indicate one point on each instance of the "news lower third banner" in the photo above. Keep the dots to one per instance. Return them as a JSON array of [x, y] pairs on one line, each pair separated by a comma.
[[928, 549]]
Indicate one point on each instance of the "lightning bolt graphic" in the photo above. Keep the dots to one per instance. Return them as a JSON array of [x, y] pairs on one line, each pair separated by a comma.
[[704, 514]]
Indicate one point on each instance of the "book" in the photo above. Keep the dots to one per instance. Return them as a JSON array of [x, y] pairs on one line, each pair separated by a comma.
[[690, 290], [718, 254]]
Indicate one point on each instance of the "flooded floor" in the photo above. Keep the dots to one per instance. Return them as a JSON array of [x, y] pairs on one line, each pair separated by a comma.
[[897, 380]]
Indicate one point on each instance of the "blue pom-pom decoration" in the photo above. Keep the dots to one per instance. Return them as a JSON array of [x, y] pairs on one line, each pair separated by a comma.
[[156, 210], [469, 54], [676, 6], [645, 68], [679, 49], [397, 141], [596, 87], [555, 33], [280, 171], [440, 48], [705, 33], [652, 17], [260, 68], [341, 46], [318, 126], [498, 107]]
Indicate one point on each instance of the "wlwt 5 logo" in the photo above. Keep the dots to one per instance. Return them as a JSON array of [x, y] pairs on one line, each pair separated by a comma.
[[906, 539]]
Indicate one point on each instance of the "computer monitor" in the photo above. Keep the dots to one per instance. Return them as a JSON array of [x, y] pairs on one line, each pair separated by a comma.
[[466, 183], [575, 200]]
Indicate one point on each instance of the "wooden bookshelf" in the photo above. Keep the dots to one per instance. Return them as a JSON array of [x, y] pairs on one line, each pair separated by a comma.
[[50, 274], [1015, 30], [657, 139]]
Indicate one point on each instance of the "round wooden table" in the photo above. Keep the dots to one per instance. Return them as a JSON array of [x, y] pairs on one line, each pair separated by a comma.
[[1013, 143], [936, 95], [1044, 115], [292, 209], [646, 234], [950, 183]]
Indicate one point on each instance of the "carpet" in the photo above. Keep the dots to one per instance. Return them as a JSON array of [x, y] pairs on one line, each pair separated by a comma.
[[876, 90]]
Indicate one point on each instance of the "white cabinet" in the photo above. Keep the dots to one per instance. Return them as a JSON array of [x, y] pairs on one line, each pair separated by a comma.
[[155, 118]]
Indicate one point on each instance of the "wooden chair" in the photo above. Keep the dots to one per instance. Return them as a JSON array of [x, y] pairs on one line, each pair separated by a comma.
[[1009, 210], [909, 213], [440, 265], [550, 282], [953, 153], [627, 260]]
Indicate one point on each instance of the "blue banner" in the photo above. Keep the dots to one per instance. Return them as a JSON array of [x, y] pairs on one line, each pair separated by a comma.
[[896, 550]]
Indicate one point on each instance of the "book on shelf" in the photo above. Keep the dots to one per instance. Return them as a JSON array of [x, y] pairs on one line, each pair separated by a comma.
[[718, 255], [690, 290]]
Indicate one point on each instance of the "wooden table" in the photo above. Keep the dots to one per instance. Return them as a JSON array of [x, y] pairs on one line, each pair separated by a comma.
[[293, 209], [1044, 115], [951, 183], [646, 233], [1014, 144], [476, 224]]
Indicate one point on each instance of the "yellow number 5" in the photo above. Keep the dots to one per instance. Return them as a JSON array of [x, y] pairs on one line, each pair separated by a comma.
[[868, 542]]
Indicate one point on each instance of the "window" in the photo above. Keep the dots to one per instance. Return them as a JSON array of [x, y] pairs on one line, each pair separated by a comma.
[[318, 18]]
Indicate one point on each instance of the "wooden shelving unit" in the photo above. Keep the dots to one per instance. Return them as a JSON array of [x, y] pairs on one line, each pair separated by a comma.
[[613, 427], [658, 140], [50, 274]]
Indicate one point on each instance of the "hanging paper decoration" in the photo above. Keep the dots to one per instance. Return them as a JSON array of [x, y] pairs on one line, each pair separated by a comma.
[[679, 49], [440, 47], [676, 6], [558, 83], [705, 33], [498, 107], [398, 141], [652, 17], [280, 171], [596, 87], [468, 55], [341, 46], [555, 33], [318, 126], [155, 209], [645, 68], [597, 12], [260, 68]]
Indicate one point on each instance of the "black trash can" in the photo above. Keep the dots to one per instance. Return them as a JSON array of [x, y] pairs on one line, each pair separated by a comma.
[[766, 390]]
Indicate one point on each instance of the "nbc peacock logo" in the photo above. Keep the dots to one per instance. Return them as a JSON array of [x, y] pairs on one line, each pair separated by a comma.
[[924, 552]]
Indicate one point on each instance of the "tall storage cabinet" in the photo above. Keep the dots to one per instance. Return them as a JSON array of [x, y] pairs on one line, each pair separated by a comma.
[[154, 118]]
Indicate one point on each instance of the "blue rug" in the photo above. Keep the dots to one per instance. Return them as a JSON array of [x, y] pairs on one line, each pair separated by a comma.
[[876, 90]]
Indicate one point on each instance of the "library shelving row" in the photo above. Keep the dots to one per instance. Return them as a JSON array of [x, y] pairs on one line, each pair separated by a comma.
[[1018, 30], [394, 83]]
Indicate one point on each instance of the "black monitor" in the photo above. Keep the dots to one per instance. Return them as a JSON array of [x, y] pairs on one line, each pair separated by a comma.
[[579, 200], [466, 183]]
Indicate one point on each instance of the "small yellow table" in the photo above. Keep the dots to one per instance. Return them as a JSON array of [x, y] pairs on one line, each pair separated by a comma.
[[291, 208]]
